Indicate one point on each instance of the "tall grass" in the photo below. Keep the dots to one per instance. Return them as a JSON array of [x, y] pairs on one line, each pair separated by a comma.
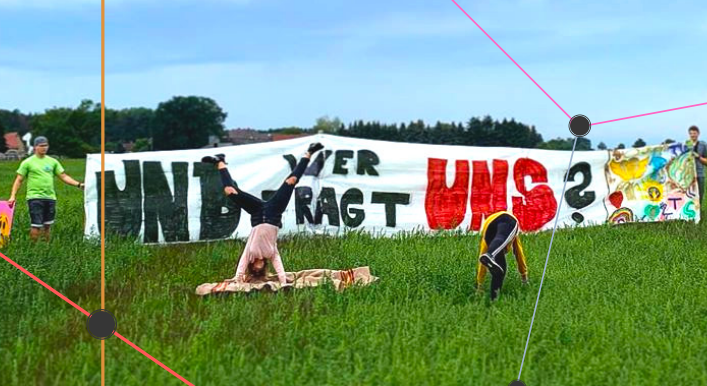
[[619, 306]]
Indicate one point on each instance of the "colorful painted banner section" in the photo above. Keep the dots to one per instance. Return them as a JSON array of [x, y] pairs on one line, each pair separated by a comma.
[[655, 183], [388, 187], [6, 213]]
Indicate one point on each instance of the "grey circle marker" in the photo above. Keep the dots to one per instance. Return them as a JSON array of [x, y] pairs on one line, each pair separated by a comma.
[[580, 125], [516, 383], [101, 324]]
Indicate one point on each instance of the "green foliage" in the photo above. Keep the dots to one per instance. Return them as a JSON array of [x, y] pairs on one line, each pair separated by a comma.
[[186, 123], [129, 124], [639, 143], [71, 132], [621, 146], [583, 144], [3, 145], [327, 125], [477, 132], [557, 144], [601, 146], [141, 144], [288, 130], [15, 121]]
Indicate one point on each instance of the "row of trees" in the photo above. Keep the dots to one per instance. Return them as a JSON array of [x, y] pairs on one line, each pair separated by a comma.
[[185, 122], [180, 123], [475, 132]]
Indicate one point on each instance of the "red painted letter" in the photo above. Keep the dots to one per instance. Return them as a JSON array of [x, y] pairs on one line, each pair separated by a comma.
[[540, 204], [485, 197], [446, 207]]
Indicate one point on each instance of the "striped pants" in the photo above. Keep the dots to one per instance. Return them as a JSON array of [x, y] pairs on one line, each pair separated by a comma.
[[499, 234]]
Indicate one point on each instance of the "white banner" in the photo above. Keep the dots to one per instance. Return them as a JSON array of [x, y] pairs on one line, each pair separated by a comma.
[[387, 187]]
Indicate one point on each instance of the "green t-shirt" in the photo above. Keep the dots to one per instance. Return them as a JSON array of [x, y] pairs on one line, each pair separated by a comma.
[[39, 173]]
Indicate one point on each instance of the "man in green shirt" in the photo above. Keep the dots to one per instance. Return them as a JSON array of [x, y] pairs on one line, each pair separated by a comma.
[[39, 170], [699, 150]]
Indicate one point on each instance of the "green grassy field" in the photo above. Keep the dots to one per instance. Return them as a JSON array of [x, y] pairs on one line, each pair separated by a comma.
[[619, 306]]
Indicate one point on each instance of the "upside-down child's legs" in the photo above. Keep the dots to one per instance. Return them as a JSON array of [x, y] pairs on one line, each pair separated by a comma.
[[278, 203], [248, 202]]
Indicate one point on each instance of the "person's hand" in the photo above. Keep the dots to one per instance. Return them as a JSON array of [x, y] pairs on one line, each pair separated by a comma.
[[81, 185], [11, 201], [229, 190], [524, 281]]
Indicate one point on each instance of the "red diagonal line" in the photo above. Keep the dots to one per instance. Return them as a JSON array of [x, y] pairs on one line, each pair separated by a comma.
[[509, 57], [26, 272], [152, 359], [656, 112]]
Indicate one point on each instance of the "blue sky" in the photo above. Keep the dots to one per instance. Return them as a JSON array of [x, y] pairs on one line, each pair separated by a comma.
[[274, 63]]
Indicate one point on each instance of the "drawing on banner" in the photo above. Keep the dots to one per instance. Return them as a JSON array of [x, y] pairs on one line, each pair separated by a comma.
[[6, 215], [654, 183]]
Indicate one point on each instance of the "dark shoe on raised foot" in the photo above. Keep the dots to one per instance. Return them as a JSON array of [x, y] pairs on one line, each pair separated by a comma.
[[491, 264], [210, 159], [315, 147]]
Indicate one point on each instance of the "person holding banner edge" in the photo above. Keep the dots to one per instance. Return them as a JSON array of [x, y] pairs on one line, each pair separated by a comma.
[[699, 150], [499, 234], [265, 218]]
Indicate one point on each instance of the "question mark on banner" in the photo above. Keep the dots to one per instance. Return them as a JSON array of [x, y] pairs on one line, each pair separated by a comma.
[[575, 196]]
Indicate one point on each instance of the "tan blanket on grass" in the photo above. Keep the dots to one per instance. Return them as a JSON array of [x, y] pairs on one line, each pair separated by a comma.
[[308, 278]]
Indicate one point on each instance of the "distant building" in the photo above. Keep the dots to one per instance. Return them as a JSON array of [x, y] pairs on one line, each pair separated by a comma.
[[282, 137], [15, 147], [245, 136], [215, 141]]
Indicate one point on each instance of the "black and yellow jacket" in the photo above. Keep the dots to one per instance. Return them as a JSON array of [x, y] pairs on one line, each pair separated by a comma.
[[516, 245]]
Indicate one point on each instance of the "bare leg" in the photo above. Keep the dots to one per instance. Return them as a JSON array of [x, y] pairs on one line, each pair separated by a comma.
[[46, 233], [34, 233]]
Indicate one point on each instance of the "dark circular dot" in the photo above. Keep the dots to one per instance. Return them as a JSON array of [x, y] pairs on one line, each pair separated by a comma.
[[577, 217], [580, 125], [516, 383], [101, 324]]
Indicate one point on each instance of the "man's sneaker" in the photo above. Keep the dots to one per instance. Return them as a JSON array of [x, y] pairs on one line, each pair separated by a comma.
[[491, 264], [210, 159]]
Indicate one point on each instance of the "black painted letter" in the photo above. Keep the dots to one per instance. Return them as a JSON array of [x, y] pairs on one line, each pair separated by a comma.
[[160, 205], [390, 200]]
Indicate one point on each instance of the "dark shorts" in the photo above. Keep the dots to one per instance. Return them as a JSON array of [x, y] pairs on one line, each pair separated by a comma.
[[41, 212]]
